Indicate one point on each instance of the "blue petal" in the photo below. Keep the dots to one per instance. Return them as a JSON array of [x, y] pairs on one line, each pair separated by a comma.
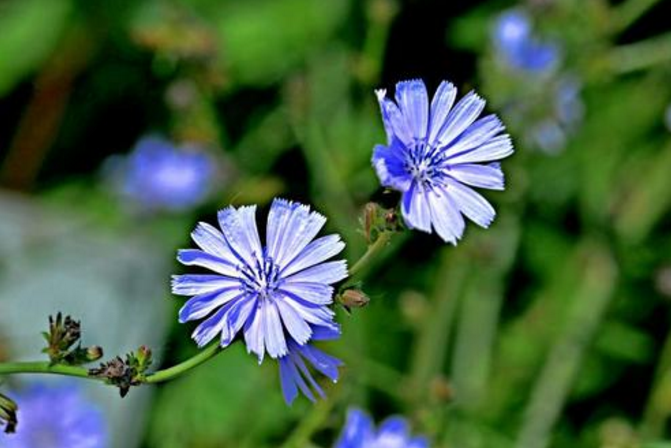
[[326, 364], [209, 328], [203, 304], [193, 284], [317, 293], [242, 236], [290, 228], [290, 377], [236, 317], [296, 326], [316, 252], [445, 216], [413, 100], [195, 257], [441, 104], [393, 119], [327, 273], [273, 331], [389, 164], [418, 442], [303, 369], [326, 333], [415, 209], [497, 148], [358, 430], [394, 427], [311, 313], [471, 203], [212, 241], [476, 135], [460, 118], [483, 176]]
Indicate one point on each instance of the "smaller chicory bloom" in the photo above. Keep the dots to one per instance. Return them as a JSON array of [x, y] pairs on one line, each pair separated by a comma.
[[360, 432], [436, 153], [159, 175], [519, 48], [56, 417], [277, 295]]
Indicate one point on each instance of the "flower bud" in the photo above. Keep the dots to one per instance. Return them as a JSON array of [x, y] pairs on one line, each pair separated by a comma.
[[353, 298], [94, 353]]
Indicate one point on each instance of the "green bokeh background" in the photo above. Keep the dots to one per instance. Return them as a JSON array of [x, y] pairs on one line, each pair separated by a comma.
[[550, 329]]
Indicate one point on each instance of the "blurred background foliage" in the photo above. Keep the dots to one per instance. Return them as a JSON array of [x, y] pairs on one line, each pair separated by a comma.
[[551, 329]]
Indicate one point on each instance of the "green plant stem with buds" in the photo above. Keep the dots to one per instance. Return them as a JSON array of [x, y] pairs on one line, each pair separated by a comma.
[[159, 376], [373, 250]]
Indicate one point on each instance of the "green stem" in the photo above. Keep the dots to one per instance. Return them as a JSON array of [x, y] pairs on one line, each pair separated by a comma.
[[183, 367], [640, 55], [373, 250], [9, 368], [630, 11]]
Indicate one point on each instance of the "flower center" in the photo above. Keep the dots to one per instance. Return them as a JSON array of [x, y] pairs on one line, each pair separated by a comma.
[[422, 163], [263, 279]]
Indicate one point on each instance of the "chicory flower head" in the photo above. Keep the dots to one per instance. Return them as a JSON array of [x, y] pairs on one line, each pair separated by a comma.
[[359, 432], [519, 48], [159, 175], [435, 154], [55, 417], [276, 294]]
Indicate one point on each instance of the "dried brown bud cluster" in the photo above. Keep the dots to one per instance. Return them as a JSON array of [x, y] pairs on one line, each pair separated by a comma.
[[61, 338], [377, 219], [124, 374], [8, 410]]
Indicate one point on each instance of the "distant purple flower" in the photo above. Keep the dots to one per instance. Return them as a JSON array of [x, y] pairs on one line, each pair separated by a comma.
[[160, 175], [519, 48], [277, 294], [359, 432], [55, 417], [435, 151]]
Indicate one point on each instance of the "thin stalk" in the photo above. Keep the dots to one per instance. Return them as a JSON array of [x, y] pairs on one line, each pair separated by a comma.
[[630, 11], [657, 409], [183, 367], [640, 55], [373, 250]]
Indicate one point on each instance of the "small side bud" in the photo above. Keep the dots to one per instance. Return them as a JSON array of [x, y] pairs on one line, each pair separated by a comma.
[[376, 220], [124, 374], [353, 298], [61, 338], [8, 409], [94, 353]]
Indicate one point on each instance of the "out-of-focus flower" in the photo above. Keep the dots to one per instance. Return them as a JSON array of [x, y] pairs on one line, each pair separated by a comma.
[[56, 417], [294, 372], [359, 432], [518, 48], [277, 294], [161, 176], [434, 155]]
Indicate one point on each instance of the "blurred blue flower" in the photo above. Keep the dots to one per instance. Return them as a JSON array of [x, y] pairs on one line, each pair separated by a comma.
[[359, 432], [434, 153], [518, 47], [56, 417], [159, 175], [278, 295], [294, 372]]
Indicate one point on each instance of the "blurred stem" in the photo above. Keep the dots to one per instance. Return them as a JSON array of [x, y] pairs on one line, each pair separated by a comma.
[[658, 407], [364, 263], [183, 367], [630, 11], [300, 438], [590, 301], [380, 15], [640, 55]]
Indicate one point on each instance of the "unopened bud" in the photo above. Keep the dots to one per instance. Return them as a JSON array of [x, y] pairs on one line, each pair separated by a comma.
[[353, 298], [94, 353]]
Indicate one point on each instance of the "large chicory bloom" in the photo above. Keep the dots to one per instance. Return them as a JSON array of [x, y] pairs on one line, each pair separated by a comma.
[[55, 417], [359, 432], [519, 48], [159, 175], [277, 295], [434, 156]]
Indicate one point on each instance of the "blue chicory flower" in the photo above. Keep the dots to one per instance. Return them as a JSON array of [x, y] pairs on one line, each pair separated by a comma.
[[434, 154], [277, 294], [519, 48], [162, 176], [56, 417], [359, 432]]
